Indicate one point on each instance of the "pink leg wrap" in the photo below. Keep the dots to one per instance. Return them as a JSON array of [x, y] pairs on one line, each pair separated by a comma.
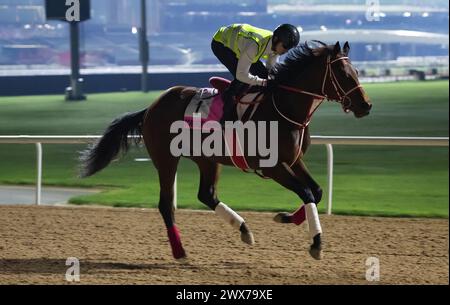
[[299, 216], [175, 242]]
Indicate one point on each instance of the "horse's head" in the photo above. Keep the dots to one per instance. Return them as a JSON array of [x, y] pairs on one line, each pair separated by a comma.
[[341, 82]]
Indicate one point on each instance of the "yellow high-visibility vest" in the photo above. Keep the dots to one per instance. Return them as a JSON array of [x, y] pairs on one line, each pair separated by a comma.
[[229, 35]]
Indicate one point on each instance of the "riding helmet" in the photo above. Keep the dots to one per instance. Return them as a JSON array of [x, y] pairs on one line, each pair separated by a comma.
[[287, 34]]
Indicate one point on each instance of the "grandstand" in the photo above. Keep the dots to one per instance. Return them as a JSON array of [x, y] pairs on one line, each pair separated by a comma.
[[180, 34]]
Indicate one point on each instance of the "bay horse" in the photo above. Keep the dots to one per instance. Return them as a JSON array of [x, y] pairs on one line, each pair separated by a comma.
[[307, 76]]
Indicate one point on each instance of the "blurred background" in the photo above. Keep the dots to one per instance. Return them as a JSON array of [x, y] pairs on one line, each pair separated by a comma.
[[403, 36], [400, 48]]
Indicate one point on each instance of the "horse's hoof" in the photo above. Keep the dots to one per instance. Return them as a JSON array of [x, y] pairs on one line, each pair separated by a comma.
[[184, 259], [315, 252], [180, 255], [247, 237], [283, 217]]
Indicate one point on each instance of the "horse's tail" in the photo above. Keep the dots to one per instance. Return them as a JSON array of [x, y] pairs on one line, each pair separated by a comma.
[[115, 139]]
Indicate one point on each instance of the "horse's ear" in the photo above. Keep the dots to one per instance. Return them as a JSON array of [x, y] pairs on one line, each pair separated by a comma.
[[346, 48], [337, 48]]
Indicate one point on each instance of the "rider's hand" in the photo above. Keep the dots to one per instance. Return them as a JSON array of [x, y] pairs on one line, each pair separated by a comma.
[[270, 84]]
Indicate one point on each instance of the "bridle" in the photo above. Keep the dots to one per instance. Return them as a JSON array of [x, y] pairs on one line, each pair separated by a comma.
[[342, 95]]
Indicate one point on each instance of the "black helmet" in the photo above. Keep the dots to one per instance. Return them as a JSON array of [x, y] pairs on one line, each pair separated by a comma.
[[287, 34]]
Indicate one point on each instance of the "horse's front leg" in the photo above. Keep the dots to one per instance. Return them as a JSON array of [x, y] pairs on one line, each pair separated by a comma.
[[300, 171], [288, 177]]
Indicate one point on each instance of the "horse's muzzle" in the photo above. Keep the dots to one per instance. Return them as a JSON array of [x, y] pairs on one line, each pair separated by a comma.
[[361, 115], [366, 107]]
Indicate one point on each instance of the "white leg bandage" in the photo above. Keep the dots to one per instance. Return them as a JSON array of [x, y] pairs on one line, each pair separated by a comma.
[[312, 215], [230, 216]]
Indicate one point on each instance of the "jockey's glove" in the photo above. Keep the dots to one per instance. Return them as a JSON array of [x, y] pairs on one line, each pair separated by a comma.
[[271, 84]]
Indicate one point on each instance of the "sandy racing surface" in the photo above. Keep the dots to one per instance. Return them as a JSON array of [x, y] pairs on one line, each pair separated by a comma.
[[129, 246]]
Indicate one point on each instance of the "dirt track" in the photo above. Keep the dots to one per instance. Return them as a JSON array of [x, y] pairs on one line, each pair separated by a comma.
[[125, 246]]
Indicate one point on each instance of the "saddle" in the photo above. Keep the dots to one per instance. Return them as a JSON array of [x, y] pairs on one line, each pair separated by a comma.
[[209, 104]]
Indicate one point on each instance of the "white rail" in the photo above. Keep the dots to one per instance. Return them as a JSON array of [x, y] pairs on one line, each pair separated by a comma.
[[329, 141]]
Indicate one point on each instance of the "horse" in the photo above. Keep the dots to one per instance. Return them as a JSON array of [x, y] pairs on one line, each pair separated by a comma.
[[311, 73]]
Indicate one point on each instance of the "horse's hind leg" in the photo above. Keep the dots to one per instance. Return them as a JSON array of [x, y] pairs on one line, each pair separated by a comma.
[[207, 194], [166, 164], [166, 207]]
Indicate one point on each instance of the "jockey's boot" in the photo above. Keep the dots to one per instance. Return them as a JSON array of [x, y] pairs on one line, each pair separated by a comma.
[[235, 89]]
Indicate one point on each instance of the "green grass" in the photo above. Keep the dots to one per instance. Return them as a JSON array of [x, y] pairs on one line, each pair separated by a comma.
[[375, 180]]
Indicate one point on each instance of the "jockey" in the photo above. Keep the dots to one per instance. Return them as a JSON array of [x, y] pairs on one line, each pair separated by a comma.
[[241, 46]]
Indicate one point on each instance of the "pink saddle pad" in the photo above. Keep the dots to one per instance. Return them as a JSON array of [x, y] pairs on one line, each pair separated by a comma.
[[208, 103]]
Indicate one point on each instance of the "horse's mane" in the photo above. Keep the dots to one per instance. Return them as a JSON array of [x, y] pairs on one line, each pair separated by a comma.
[[297, 59]]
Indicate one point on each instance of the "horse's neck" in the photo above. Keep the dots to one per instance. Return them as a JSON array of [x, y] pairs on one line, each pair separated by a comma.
[[297, 106], [294, 107], [311, 80]]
